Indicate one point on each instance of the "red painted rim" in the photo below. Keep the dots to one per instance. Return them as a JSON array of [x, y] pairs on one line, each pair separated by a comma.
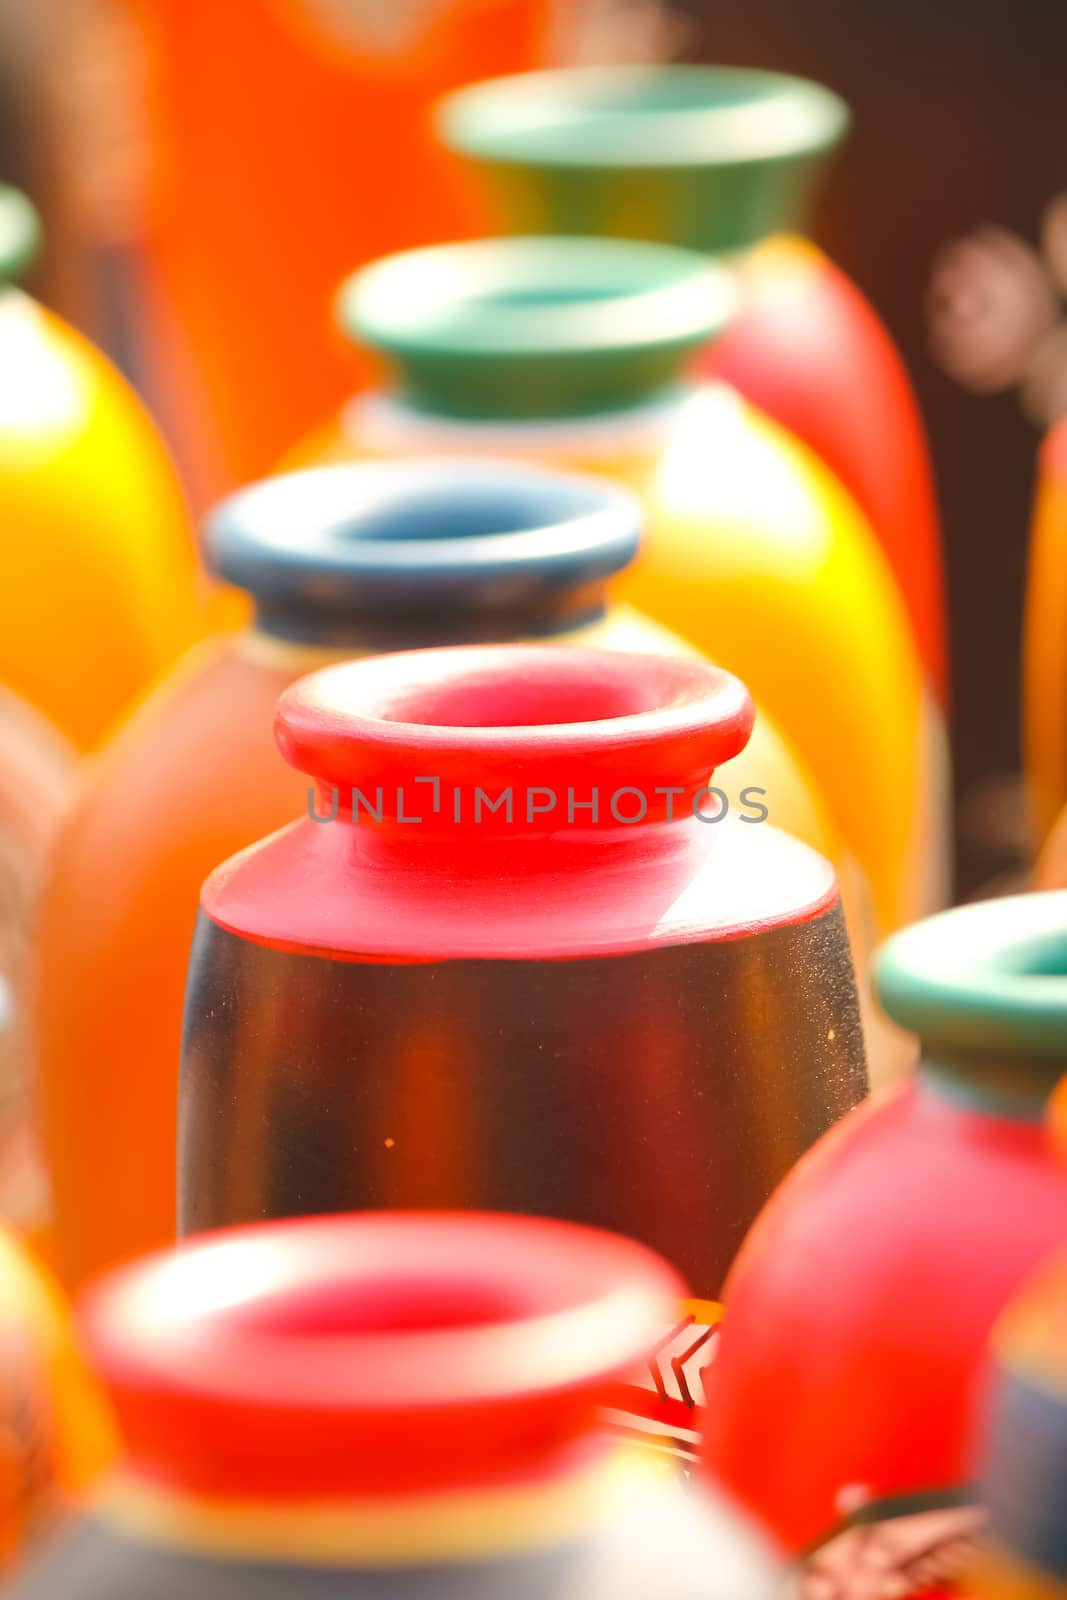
[[377, 1353], [494, 715]]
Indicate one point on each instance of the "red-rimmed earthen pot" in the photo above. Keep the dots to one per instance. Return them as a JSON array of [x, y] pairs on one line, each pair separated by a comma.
[[516, 958]]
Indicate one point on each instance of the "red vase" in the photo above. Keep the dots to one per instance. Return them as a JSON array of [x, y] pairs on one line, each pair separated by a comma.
[[859, 1311], [590, 1002], [382, 1407]]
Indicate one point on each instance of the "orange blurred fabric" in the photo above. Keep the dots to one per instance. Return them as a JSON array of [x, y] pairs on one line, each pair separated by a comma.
[[291, 142]]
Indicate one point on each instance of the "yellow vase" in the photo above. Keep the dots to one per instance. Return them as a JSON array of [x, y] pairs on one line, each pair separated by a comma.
[[98, 574], [1045, 643], [575, 352]]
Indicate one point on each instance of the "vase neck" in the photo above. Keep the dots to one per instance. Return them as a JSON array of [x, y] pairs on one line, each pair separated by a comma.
[[342, 636], [996, 1086], [689, 211], [538, 389], [590, 826]]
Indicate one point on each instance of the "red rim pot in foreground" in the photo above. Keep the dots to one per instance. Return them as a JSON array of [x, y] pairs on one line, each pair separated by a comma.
[[858, 1313], [385, 1406]]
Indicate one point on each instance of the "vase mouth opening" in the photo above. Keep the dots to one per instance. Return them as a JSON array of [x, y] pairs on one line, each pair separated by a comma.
[[534, 298], [984, 980], [355, 1326], [544, 696], [642, 117], [20, 234], [420, 538], [553, 716]]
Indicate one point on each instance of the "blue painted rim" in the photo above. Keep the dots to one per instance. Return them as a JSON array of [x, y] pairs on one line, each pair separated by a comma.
[[420, 538]]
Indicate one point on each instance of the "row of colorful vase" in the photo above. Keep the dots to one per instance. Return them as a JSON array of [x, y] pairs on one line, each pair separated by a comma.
[[556, 350], [554, 931]]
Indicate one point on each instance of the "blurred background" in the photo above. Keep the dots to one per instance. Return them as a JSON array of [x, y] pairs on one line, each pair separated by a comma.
[[128, 123]]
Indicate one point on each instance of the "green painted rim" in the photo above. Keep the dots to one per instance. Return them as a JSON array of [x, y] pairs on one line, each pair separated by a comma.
[[539, 295], [643, 117], [984, 980], [537, 327], [20, 234]]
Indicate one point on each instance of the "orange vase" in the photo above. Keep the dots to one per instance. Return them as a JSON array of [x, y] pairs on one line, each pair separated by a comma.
[[98, 575], [290, 139], [1045, 643], [55, 1429]]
